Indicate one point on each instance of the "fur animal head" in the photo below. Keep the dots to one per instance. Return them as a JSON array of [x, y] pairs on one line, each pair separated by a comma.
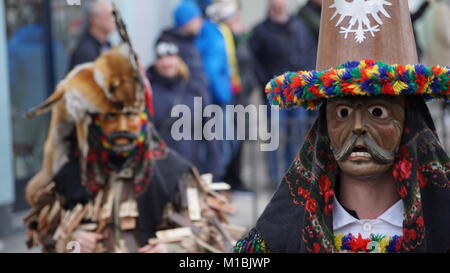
[[117, 74], [112, 82]]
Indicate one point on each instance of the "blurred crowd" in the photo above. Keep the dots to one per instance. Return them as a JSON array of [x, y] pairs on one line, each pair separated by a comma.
[[210, 53]]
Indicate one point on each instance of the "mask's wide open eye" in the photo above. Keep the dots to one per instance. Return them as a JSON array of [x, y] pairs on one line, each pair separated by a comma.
[[343, 111], [378, 111]]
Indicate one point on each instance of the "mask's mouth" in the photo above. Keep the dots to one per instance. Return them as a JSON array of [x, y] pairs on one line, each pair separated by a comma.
[[360, 153], [122, 142]]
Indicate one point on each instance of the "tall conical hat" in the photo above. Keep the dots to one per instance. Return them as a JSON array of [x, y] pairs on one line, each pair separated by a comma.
[[366, 48], [357, 30]]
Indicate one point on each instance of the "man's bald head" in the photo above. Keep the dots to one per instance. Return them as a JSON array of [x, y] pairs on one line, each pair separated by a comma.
[[278, 11], [99, 16]]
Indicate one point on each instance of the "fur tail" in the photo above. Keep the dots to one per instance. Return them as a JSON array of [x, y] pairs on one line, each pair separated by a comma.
[[47, 104]]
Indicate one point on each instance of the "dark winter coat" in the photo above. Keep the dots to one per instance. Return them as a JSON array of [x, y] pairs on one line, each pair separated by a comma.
[[279, 48], [167, 93]]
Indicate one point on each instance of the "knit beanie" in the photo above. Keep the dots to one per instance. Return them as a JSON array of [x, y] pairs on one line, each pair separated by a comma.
[[185, 12]]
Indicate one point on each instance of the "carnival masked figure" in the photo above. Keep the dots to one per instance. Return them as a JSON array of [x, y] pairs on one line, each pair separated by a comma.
[[123, 189], [372, 175], [98, 192], [108, 183]]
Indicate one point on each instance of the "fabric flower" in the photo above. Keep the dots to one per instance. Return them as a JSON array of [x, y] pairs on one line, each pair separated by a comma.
[[406, 235], [311, 205], [383, 244], [328, 196], [346, 242], [324, 183], [403, 192], [316, 247], [359, 244], [329, 209], [394, 244], [338, 241], [303, 193], [423, 181], [398, 244], [137, 188], [419, 222], [402, 169]]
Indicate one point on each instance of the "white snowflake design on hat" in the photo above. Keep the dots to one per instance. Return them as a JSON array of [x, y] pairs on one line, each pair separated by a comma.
[[359, 11]]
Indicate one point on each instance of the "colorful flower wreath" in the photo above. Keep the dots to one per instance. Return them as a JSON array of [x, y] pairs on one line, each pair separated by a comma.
[[374, 244], [364, 78]]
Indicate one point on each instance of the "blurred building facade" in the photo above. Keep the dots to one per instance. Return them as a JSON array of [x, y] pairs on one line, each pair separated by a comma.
[[6, 171]]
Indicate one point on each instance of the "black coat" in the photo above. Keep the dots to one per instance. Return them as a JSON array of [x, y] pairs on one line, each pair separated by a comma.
[[170, 92], [280, 48], [87, 50], [163, 187]]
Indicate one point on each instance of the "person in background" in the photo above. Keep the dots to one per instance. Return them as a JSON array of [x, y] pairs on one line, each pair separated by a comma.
[[172, 85], [94, 40], [437, 37], [437, 51], [213, 50], [283, 43], [310, 13], [244, 56], [416, 16], [227, 14], [188, 24]]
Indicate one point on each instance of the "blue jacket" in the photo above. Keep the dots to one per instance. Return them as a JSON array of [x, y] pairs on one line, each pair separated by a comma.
[[211, 45]]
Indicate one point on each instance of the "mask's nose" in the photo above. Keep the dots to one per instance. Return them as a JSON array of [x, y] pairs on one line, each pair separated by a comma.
[[122, 123], [358, 123]]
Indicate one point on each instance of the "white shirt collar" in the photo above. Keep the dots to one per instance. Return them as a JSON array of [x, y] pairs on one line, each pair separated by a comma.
[[393, 215]]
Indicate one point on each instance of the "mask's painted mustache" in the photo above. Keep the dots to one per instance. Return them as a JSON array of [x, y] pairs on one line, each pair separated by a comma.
[[121, 134], [379, 155], [122, 148]]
